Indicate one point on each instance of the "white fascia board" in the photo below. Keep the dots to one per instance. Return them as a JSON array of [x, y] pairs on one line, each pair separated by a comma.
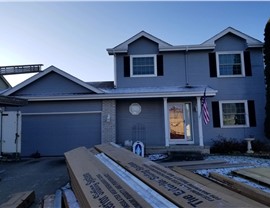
[[112, 51], [121, 96]]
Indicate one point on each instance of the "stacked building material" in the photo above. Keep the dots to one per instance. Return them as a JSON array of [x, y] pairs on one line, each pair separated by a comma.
[[98, 179], [95, 185]]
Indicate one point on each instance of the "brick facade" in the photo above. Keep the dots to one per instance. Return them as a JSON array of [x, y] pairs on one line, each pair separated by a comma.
[[108, 132]]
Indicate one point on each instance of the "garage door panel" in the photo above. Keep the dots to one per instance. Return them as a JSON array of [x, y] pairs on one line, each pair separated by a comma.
[[55, 134]]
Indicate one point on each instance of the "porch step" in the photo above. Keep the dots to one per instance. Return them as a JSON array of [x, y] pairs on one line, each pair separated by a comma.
[[179, 149], [196, 163]]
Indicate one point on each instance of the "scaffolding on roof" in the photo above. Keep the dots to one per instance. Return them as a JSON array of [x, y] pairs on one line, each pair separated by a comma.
[[20, 69]]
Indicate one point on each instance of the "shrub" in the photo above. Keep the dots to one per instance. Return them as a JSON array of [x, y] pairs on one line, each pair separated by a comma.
[[229, 146], [259, 146]]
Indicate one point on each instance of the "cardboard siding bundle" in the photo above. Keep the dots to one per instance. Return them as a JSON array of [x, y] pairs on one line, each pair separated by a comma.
[[180, 190], [95, 185]]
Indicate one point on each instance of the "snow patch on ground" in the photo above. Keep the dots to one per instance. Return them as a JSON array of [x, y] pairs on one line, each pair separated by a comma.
[[254, 162], [155, 157]]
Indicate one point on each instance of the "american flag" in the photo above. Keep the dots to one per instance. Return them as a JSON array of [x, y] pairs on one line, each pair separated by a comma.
[[206, 117]]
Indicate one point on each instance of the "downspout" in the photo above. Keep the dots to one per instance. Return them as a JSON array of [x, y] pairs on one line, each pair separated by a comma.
[[186, 66], [17, 133], [115, 72]]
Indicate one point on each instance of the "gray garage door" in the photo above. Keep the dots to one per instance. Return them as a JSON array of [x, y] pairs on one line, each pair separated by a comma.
[[52, 135]]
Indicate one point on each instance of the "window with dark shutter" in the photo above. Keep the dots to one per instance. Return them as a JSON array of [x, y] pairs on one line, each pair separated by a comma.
[[212, 64], [126, 66], [248, 70], [160, 65], [251, 113], [215, 113]]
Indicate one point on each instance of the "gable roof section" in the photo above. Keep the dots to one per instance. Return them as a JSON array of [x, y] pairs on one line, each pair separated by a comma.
[[47, 71], [251, 42], [5, 82], [207, 45], [123, 47]]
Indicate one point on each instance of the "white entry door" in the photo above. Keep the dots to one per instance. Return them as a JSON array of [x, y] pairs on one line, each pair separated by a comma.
[[180, 123]]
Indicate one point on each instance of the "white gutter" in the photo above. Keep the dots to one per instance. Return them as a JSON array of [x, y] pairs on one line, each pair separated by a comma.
[[173, 48], [190, 47], [121, 96], [255, 45]]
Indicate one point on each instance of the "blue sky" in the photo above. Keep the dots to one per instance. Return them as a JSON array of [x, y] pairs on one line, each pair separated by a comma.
[[74, 36]]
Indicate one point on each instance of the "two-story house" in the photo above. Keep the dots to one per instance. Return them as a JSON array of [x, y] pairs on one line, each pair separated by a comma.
[[156, 97]]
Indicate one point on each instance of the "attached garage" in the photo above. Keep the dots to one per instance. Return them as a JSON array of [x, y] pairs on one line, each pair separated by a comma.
[[62, 113], [53, 134]]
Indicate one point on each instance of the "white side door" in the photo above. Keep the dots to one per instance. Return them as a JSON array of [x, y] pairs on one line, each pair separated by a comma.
[[11, 131]]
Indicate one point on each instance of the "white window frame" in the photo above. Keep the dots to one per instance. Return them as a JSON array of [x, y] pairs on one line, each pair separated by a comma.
[[242, 63], [143, 75], [233, 101]]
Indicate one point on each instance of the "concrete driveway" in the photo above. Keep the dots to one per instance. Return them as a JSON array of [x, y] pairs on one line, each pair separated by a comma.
[[43, 175]]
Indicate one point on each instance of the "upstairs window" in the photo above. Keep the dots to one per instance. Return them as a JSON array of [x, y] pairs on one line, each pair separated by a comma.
[[230, 64], [143, 65]]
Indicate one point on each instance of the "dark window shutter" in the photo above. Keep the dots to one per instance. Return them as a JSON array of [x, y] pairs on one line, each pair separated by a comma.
[[251, 113], [215, 113], [126, 66], [248, 71], [160, 65], [212, 64]]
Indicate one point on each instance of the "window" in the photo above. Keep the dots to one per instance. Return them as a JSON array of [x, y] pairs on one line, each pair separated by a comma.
[[230, 64], [234, 114], [143, 65]]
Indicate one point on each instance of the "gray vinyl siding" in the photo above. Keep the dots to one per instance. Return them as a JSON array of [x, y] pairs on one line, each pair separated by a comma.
[[198, 68], [235, 88], [173, 67], [61, 106], [150, 122], [52, 84], [230, 42], [142, 46]]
